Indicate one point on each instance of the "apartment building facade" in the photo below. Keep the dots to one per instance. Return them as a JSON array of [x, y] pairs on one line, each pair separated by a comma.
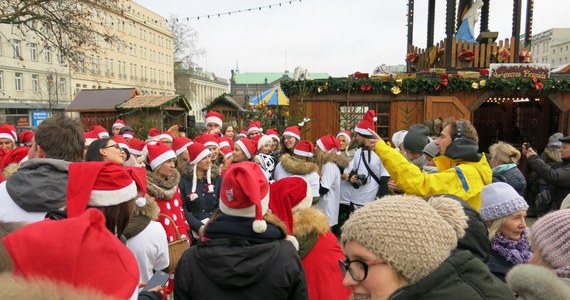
[[551, 47], [200, 88]]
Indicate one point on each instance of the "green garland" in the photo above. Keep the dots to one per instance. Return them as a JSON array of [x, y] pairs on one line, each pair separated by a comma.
[[425, 85]]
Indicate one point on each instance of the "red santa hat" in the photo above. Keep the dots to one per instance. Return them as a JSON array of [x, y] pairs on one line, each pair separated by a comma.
[[120, 140], [328, 143], [136, 146], [197, 151], [304, 148], [262, 140], [153, 134], [248, 146], [101, 184], [254, 126], [15, 156], [118, 123], [12, 129], [225, 142], [214, 117], [227, 152], [128, 134], [346, 134], [26, 137], [272, 132], [366, 123], [166, 135], [78, 251], [288, 193], [242, 134], [89, 137], [245, 193], [292, 131], [6, 133], [158, 153], [101, 132], [180, 144], [207, 139]]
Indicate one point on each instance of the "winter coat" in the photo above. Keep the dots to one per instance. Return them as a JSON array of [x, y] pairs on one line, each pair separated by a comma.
[[463, 172], [38, 186], [532, 282], [498, 265], [510, 174], [237, 263], [460, 276], [320, 253], [556, 175], [290, 165], [167, 195], [202, 207]]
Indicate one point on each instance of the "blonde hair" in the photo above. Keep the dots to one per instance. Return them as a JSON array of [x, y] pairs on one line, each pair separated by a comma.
[[495, 225], [505, 153], [321, 158]]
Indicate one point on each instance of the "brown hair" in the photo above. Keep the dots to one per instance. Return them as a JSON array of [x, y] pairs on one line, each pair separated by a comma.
[[505, 153], [61, 138], [467, 131], [118, 216], [321, 158]]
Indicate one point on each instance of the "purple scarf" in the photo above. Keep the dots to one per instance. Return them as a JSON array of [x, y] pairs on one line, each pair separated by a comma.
[[515, 252]]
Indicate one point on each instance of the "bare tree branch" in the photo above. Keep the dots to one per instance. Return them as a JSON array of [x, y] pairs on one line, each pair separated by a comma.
[[185, 44]]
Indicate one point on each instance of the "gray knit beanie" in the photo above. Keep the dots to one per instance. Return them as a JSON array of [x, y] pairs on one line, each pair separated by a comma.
[[417, 138], [410, 234], [431, 149]]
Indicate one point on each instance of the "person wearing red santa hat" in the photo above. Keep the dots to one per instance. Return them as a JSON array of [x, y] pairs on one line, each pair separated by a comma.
[[366, 173], [100, 131], [163, 179], [26, 138], [116, 127], [79, 252], [200, 188], [301, 164], [7, 140], [274, 135], [180, 148], [244, 150], [166, 138], [242, 134], [153, 134], [228, 131], [345, 137], [11, 162], [244, 254], [135, 149], [253, 129], [290, 200], [105, 149], [214, 122], [291, 136], [331, 166]]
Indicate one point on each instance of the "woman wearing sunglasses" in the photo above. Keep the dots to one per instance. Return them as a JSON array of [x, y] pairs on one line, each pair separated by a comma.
[[105, 149], [402, 247]]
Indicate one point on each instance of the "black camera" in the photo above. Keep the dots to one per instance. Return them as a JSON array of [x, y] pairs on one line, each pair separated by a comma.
[[360, 179]]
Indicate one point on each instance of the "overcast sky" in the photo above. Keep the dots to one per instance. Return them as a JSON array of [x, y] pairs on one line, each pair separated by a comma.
[[333, 36]]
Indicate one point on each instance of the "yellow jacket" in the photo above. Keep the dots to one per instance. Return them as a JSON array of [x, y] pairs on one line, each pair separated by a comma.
[[464, 179]]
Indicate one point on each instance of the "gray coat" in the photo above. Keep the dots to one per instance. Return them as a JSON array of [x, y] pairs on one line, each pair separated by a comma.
[[532, 282]]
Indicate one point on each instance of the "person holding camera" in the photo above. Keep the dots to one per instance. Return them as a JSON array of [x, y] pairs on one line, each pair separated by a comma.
[[365, 168]]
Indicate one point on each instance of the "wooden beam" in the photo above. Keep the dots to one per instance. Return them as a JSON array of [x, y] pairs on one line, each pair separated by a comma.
[[449, 30], [410, 42], [480, 100], [484, 26], [528, 26], [517, 8], [431, 23]]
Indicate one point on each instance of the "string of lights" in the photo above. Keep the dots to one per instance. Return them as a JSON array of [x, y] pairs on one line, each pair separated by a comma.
[[229, 13]]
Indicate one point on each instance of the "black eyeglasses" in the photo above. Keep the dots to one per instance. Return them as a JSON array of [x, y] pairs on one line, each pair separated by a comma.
[[358, 269], [114, 146]]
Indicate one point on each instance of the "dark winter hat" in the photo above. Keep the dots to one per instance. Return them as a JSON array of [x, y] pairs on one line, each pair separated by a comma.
[[431, 149], [416, 138], [565, 139], [554, 140]]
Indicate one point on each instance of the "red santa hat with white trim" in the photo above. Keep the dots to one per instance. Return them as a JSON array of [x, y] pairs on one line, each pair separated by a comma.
[[304, 148], [101, 132], [120, 140], [292, 131], [207, 139], [242, 134], [136, 146], [118, 123], [128, 134], [366, 123], [26, 137], [225, 142], [89, 137], [180, 144], [346, 134], [245, 193], [227, 152], [6, 133], [153, 134], [328, 143], [12, 130], [166, 135], [248, 146], [262, 140], [214, 117], [196, 152], [102, 184], [254, 126], [272, 132], [158, 153]]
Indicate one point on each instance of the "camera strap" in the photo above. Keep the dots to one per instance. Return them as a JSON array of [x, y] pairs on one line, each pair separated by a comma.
[[368, 167]]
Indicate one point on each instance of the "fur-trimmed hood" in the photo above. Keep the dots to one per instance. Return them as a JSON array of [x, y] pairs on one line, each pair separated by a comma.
[[341, 161], [532, 282], [162, 188], [309, 221], [42, 288], [187, 170], [297, 166]]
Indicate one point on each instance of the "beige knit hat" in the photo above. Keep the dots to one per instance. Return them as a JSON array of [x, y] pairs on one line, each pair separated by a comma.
[[412, 235]]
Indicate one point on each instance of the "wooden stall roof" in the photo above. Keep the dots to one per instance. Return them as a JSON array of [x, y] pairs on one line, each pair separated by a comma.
[[154, 102], [225, 99], [101, 100]]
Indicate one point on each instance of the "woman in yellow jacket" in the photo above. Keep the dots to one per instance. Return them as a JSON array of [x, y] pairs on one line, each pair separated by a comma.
[[463, 171]]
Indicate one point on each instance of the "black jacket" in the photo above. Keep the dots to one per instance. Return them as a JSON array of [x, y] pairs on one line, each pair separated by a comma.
[[498, 265], [228, 268], [204, 205], [514, 177], [556, 175], [460, 276]]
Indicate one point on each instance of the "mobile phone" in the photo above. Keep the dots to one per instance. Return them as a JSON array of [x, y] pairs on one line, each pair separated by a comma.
[[158, 279]]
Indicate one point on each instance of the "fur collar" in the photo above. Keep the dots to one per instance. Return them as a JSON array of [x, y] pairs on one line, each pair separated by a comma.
[[536, 282], [341, 161], [309, 221], [187, 171], [298, 166], [150, 209], [161, 188]]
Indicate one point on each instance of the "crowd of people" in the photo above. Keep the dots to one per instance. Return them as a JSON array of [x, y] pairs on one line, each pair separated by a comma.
[[269, 215]]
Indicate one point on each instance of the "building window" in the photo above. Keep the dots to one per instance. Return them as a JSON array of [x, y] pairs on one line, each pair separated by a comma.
[[18, 82], [33, 51], [16, 48], [47, 55], [77, 88], [111, 69], [1, 80], [62, 86], [35, 83]]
